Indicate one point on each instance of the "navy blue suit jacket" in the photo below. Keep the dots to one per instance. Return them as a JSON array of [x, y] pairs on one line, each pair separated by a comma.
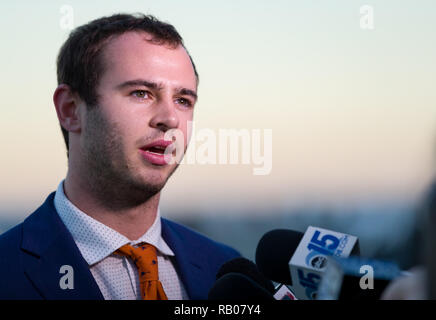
[[32, 253]]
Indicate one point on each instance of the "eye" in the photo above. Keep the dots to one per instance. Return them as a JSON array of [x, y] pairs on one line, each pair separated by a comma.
[[184, 102], [142, 94]]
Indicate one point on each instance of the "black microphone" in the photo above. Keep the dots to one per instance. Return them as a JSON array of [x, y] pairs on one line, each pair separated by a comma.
[[299, 260], [249, 269], [274, 251], [236, 286]]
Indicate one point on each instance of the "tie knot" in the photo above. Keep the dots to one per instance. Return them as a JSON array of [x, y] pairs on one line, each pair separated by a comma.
[[145, 259]]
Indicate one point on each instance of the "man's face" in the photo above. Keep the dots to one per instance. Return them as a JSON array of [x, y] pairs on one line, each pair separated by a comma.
[[145, 90]]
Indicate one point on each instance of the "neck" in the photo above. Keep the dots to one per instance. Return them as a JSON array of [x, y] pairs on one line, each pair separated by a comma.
[[129, 216]]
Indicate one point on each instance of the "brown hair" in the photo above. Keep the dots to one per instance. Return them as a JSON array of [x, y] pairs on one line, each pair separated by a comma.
[[79, 62]]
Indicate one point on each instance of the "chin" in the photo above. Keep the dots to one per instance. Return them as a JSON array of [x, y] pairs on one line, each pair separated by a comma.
[[154, 180], [153, 177]]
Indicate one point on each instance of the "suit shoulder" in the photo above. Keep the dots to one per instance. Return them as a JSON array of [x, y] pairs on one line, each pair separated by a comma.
[[203, 242], [11, 272], [11, 239]]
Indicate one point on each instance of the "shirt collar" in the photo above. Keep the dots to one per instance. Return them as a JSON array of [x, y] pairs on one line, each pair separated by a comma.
[[94, 239]]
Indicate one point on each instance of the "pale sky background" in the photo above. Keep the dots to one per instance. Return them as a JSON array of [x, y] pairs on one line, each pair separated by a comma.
[[352, 111]]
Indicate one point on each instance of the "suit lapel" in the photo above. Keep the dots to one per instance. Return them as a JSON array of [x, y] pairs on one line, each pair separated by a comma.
[[47, 246], [191, 263]]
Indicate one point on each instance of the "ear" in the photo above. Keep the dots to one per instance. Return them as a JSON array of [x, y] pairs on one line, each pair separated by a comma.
[[67, 108]]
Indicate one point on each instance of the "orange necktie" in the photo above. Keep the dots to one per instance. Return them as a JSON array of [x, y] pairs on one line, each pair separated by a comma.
[[145, 259]]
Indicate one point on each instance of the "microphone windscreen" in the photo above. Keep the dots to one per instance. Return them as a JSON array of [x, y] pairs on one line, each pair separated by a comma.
[[274, 252], [247, 268], [236, 286]]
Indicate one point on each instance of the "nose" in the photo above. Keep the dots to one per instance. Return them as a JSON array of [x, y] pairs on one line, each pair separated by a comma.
[[165, 116]]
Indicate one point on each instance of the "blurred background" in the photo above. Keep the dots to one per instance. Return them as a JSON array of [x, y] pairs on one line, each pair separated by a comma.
[[351, 108]]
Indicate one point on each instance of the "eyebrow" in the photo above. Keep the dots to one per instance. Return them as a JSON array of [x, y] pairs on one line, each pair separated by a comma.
[[187, 92], [156, 86]]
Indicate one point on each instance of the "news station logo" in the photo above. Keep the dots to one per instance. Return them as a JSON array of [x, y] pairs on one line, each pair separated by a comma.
[[310, 282], [321, 247], [310, 259], [319, 262]]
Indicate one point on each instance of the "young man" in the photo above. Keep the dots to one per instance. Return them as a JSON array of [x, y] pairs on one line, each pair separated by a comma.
[[123, 82]]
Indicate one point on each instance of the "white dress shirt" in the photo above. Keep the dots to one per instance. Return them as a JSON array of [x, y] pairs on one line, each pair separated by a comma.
[[117, 276]]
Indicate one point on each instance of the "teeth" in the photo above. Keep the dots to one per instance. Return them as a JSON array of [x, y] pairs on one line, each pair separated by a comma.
[[156, 150], [158, 147]]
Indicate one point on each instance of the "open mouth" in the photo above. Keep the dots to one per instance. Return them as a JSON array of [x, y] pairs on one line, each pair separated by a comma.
[[154, 153], [156, 150]]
